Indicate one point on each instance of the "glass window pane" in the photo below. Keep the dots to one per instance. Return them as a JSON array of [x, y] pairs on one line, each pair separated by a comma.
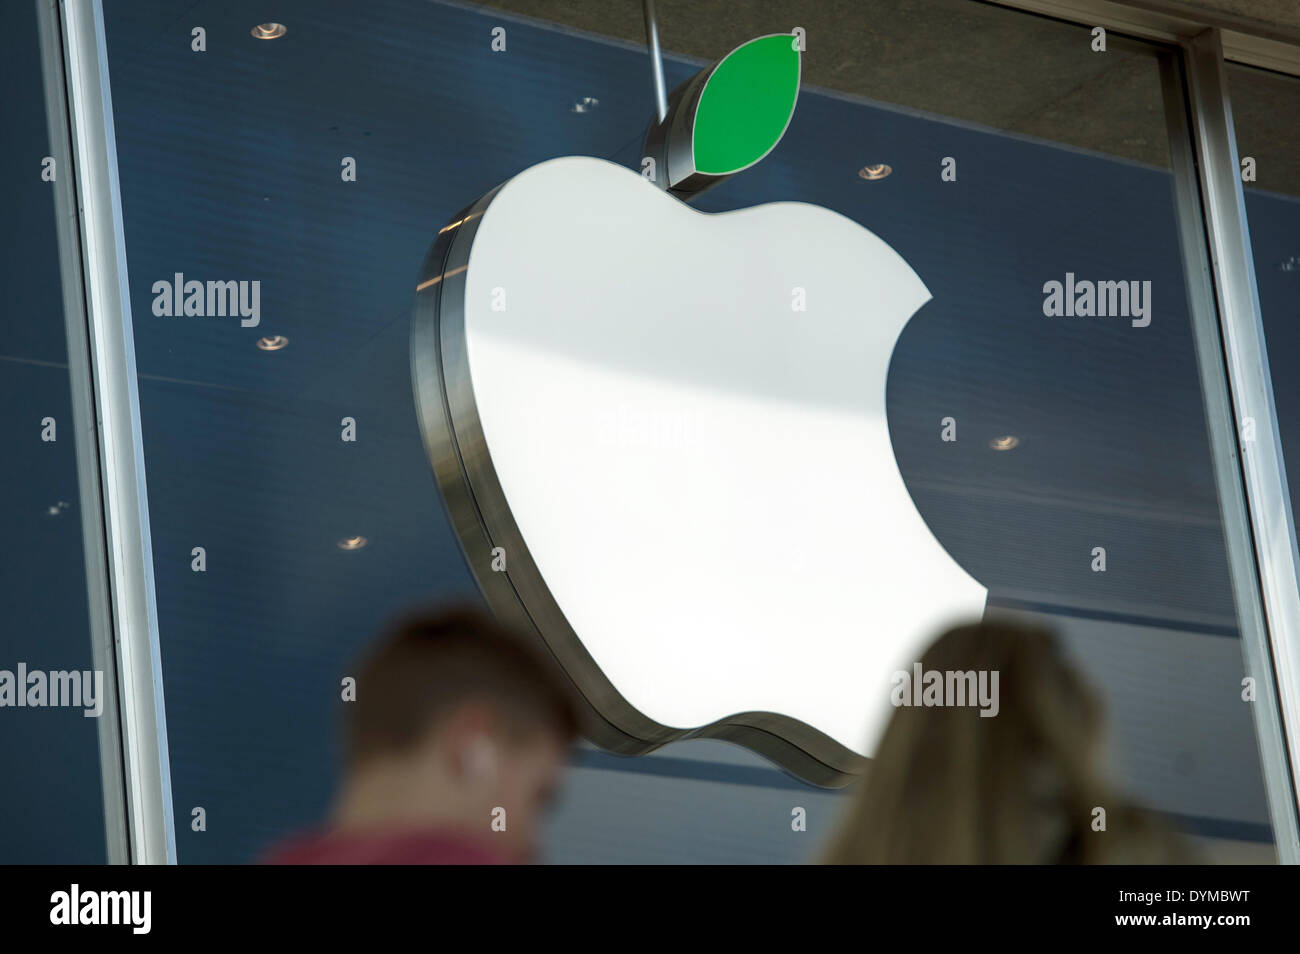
[[1073, 432]]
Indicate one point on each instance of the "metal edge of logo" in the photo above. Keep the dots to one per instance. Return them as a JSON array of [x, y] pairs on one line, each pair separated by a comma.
[[475, 503]]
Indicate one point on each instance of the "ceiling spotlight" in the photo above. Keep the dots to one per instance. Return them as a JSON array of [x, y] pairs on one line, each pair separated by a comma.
[[268, 31], [1006, 443], [272, 343], [352, 543], [877, 171]]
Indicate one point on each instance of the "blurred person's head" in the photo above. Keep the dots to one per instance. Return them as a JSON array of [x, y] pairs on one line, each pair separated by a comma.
[[950, 786], [455, 719]]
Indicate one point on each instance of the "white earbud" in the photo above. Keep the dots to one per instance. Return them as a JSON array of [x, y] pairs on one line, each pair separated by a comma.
[[482, 759]]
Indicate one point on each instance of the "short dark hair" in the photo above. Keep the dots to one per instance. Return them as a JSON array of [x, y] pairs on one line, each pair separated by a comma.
[[430, 663]]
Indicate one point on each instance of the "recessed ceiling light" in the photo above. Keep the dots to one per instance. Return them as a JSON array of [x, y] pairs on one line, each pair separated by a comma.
[[1005, 443], [272, 343], [877, 171], [352, 543], [268, 31]]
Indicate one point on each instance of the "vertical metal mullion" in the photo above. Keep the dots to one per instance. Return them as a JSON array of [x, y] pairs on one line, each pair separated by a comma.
[[1254, 501], [112, 778], [110, 454]]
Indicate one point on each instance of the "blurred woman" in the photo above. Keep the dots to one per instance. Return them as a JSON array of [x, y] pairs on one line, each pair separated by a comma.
[[948, 786]]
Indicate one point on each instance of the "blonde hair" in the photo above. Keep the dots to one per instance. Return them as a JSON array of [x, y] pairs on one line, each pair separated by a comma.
[[948, 786]]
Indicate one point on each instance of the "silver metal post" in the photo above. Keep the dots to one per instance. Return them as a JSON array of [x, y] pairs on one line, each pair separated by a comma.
[[113, 781], [656, 59], [110, 456], [1259, 526]]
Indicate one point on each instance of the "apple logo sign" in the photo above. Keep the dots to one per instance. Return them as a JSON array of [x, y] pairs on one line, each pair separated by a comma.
[[661, 438]]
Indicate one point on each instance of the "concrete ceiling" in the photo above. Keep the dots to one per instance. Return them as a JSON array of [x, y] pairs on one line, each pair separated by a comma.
[[1268, 13], [971, 61]]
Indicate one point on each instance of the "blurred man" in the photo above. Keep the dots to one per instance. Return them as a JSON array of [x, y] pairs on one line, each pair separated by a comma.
[[455, 744]]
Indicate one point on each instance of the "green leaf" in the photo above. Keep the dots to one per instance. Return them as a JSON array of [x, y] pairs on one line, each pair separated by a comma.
[[746, 105]]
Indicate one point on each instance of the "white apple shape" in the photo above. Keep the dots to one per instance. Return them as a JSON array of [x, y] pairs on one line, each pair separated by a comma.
[[700, 471]]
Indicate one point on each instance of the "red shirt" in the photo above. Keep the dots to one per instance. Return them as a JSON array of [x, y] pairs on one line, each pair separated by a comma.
[[420, 847]]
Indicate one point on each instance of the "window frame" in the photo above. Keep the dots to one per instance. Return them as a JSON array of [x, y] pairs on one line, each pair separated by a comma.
[[1259, 526]]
